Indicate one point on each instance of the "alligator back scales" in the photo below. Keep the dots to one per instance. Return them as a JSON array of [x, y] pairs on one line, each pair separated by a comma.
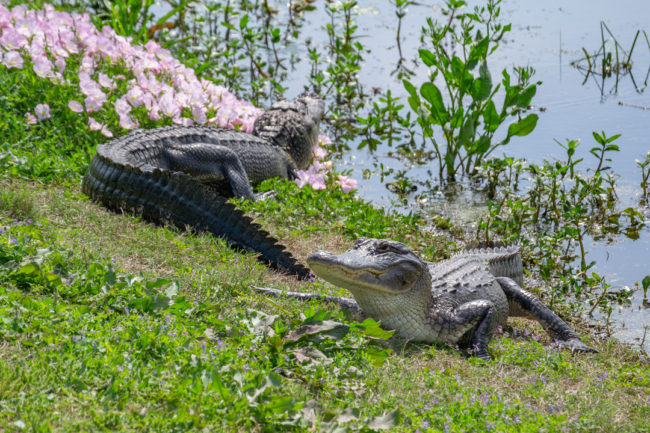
[[130, 174]]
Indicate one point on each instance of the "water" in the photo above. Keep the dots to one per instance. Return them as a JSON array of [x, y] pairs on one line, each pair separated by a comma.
[[548, 36]]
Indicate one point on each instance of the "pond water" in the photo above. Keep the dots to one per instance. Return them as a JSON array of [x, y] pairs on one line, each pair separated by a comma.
[[548, 36]]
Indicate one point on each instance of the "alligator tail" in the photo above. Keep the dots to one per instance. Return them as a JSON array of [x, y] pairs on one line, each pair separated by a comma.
[[175, 198]]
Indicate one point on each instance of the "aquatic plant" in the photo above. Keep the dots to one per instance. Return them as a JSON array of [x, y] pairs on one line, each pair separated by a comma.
[[455, 108], [609, 62], [560, 209]]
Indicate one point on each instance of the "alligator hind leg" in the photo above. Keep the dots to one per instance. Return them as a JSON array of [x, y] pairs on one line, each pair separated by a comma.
[[524, 304], [210, 163]]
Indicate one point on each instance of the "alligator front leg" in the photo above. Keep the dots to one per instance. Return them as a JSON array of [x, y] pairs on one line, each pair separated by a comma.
[[479, 316], [345, 303], [525, 304]]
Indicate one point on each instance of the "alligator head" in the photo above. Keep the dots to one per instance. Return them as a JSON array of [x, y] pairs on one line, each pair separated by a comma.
[[375, 265], [293, 124], [388, 280]]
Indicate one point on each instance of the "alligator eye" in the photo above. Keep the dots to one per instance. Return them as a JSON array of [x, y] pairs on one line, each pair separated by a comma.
[[384, 248]]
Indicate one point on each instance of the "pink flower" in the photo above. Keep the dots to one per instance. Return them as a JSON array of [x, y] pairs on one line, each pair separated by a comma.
[[13, 59], [94, 125], [198, 114], [127, 123], [304, 178], [183, 121], [324, 140], [168, 105], [135, 96], [42, 67], [75, 106], [30, 119], [105, 81], [122, 108], [347, 183], [12, 40], [42, 111], [92, 104], [317, 182], [60, 64], [87, 65], [319, 152]]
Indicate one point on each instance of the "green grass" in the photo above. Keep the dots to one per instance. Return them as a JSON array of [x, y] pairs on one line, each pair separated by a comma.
[[111, 323]]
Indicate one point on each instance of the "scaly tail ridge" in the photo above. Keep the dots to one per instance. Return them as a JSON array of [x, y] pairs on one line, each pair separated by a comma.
[[176, 198]]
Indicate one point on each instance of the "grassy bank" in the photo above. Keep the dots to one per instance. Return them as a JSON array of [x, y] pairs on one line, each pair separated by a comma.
[[110, 323]]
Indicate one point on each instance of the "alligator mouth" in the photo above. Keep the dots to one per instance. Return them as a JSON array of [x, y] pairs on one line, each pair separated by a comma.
[[393, 278]]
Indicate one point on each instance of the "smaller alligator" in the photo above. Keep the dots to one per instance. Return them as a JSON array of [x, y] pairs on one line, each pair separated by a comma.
[[184, 175], [461, 300]]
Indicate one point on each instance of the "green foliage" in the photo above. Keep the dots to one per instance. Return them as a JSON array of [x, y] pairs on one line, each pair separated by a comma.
[[126, 17], [331, 210], [466, 114], [141, 348], [645, 178], [561, 209]]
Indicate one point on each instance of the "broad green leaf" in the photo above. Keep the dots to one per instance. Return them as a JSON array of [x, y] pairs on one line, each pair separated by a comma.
[[243, 21], [30, 269], [491, 117], [526, 95], [524, 127], [427, 57], [482, 86], [431, 93], [646, 281], [477, 53], [466, 135], [457, 119], [481, 145], [410, 88]]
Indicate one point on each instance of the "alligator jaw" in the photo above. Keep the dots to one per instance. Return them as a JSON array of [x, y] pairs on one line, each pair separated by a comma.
[[345, 270]]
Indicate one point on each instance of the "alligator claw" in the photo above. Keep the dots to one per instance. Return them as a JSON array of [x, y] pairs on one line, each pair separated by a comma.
[[261, 196], [574, 345]]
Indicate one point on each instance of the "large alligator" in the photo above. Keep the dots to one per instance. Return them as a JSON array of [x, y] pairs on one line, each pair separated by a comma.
[[461, 300], [184, 175]]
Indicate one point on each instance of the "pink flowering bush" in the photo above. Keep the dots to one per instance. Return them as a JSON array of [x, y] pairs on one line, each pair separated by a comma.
[[105, 82], [320, 172]]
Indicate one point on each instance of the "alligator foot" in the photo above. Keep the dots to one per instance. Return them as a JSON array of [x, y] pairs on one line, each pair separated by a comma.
[[574, 345], [525, 304], [261, 196]]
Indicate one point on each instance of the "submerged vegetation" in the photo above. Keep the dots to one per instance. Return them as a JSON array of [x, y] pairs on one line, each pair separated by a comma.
[[110, 323]]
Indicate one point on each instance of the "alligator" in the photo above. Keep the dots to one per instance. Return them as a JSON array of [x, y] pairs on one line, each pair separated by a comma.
[[183, 176], [462, 300]]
